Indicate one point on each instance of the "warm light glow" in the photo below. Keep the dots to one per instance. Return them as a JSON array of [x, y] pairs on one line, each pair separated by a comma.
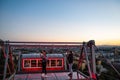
[[108, 42]]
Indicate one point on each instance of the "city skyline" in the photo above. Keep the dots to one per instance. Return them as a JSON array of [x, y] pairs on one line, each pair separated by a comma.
[[61, 21]]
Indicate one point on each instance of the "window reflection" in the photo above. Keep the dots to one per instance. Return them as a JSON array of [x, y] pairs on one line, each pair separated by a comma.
[[39, 63], [59, 62], [48, 63], [33, 63], [53, 63], [26, 63]]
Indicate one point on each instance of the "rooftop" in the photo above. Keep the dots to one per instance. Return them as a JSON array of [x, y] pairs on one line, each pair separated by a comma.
[[50, 76]]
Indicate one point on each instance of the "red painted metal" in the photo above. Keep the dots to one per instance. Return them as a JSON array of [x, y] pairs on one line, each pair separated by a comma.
[[32, 69], [84, 54], [81, 58], [11, 61], [3, 49]]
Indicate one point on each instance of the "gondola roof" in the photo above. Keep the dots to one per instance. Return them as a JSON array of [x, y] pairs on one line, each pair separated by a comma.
[[37, 55]]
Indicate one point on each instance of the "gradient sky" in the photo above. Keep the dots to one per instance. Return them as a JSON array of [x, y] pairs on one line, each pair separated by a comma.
[[60, 20]]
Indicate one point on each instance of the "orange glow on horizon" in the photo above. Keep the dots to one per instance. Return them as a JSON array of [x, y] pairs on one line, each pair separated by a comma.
[[44, 39], [108, 42]]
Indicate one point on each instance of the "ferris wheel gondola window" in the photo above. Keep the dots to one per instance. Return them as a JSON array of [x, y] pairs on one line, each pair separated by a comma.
[[59, 62], [39, 63], [33, 63], [53, 63], [48, 63], [27, 63]]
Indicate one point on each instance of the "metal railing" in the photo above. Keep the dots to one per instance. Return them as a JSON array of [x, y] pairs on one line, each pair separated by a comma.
[[16, 69], [12, 76], [6, 60], [86, 77]]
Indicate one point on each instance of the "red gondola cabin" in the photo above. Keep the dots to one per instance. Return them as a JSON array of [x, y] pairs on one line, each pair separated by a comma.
[[32, 62]]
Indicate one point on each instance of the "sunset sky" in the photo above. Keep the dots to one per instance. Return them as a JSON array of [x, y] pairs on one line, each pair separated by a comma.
[[61, 20]]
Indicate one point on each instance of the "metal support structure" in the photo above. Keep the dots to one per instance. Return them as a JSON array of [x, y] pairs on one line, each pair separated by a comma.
[[6, 60], [84, 53], [43, 45], [65, 63], [87, 60], [93, 60], [90, 59], [19, 61], [11, 60]]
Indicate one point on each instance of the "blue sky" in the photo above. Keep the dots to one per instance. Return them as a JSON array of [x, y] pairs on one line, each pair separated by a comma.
[[60, 20]]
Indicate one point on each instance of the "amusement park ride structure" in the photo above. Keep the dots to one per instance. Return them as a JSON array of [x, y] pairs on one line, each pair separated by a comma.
[[90, 58], [87, 53]]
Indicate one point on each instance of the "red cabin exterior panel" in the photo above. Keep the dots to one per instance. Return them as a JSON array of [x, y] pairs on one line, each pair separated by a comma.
[[53, 64]]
